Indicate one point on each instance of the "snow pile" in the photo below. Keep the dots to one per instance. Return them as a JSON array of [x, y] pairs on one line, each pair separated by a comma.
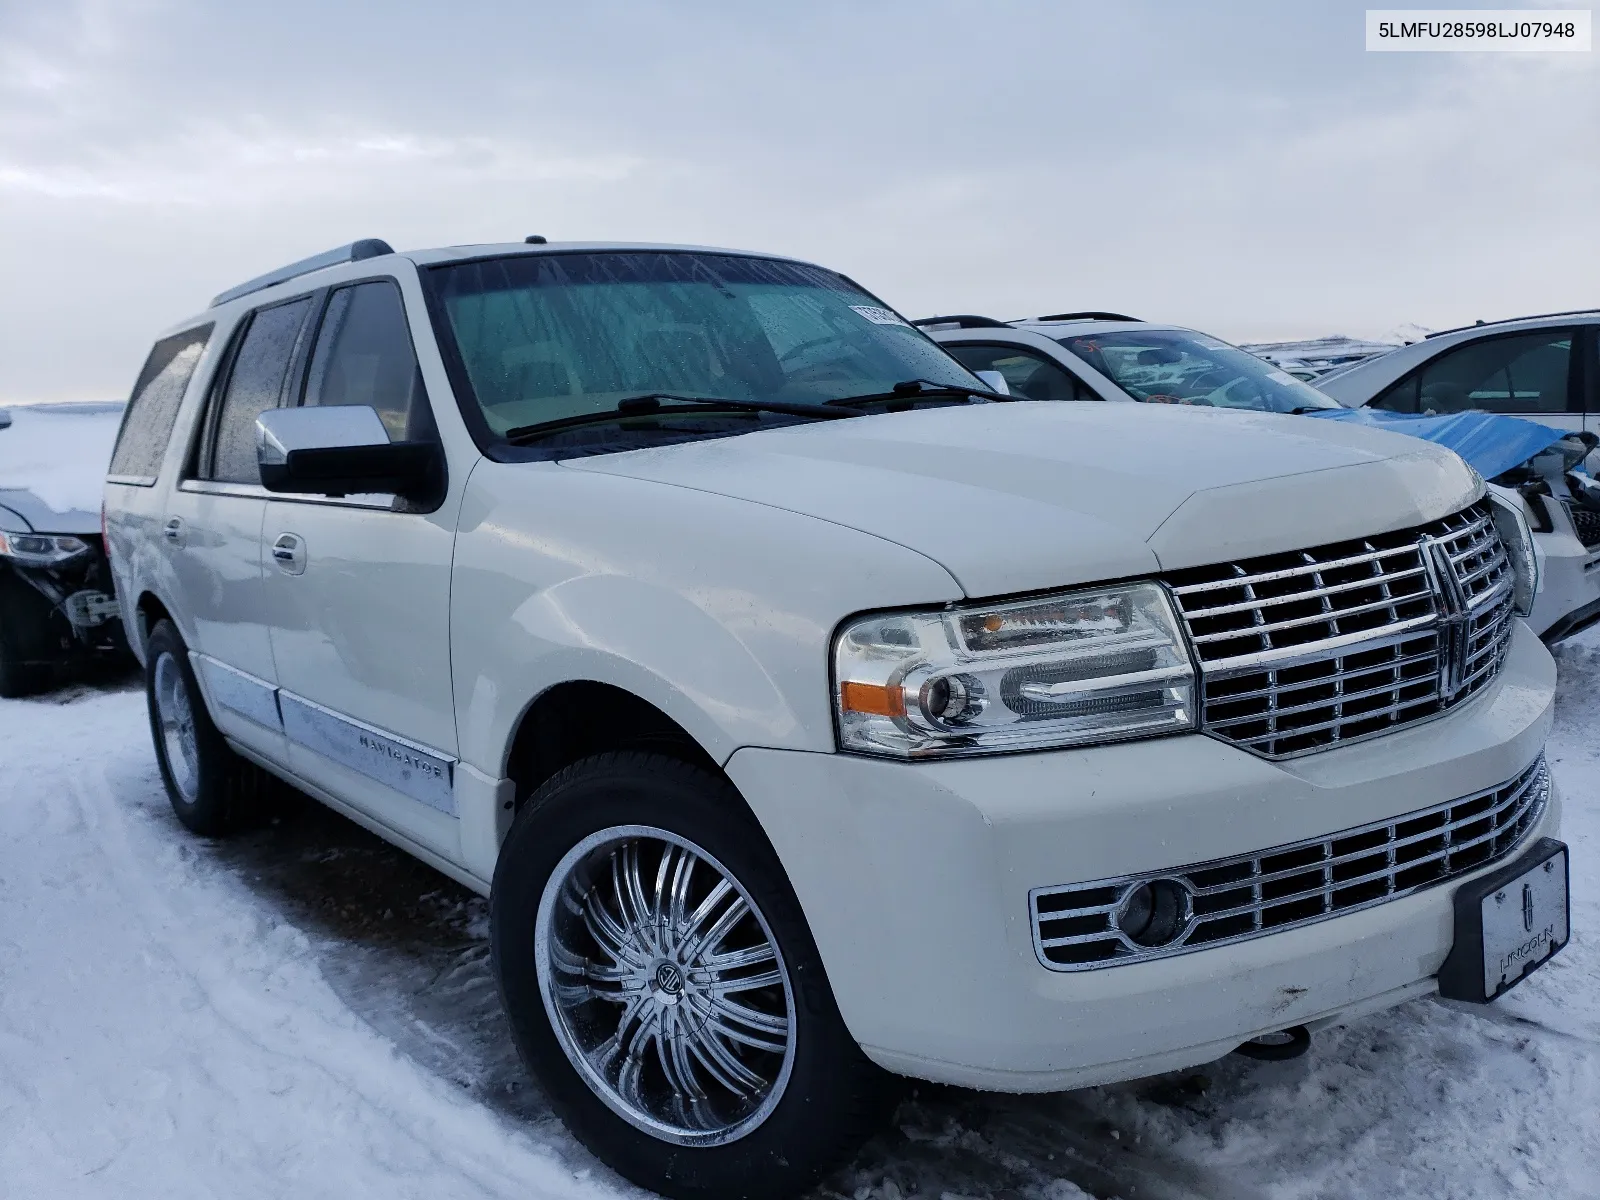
[[191, 1019], [59, 453]]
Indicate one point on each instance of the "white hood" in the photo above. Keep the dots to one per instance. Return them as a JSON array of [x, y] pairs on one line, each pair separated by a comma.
[[1024, 496], [53, 461]]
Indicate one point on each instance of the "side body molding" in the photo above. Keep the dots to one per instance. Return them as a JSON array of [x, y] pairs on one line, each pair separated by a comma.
[[413, 770]]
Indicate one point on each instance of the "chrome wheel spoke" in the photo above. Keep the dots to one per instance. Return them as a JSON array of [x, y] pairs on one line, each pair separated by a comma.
[[664, 986], [746, 983], [719, 892], [753, 1018], [736, 1023], [678, 902], [725, 1066], [720, 928], [612, 939], [732, 960]]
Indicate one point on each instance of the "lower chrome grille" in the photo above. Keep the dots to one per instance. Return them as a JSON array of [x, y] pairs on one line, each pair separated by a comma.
[[1302, 651], [1075, 927]]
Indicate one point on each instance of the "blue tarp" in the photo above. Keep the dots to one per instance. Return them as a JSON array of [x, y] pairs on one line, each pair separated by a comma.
[[1490, 443]]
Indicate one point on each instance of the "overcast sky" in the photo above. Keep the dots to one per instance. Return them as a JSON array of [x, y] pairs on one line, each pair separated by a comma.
[[1246, 168]]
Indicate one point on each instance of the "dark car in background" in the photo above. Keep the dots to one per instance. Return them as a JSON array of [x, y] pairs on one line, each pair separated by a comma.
[[57, 606]]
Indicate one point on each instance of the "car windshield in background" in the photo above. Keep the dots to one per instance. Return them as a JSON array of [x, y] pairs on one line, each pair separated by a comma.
[[1170, 366], [549, 337]]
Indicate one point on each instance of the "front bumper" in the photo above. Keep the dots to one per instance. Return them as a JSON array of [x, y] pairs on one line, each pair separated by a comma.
[[915, 879], [1569, 596]]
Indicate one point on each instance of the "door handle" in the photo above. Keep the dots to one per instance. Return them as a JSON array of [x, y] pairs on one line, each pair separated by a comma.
[[173, 530], [289, 552]]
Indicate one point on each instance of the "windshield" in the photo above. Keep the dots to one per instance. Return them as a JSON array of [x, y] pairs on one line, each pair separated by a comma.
[[549, 336], [1175, 366]]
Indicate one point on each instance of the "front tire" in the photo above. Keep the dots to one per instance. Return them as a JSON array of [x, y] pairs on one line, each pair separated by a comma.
[[663, 985], [213, 791], [25, 643]]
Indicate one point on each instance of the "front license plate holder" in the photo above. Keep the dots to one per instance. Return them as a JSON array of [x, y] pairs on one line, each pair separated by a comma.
[[1508, 923]]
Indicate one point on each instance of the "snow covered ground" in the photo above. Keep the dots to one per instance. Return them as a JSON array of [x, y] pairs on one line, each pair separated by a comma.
[[305, 1012]]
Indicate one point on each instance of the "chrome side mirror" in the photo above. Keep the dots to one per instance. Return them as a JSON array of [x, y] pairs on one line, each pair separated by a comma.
[[343, 450], [282, 431], [994, 381]]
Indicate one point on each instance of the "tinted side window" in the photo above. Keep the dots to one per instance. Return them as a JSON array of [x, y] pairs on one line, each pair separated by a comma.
[[254, 385], [1522, 374], [1400, 397], [1026, 373], [364, 356], [153, 407]]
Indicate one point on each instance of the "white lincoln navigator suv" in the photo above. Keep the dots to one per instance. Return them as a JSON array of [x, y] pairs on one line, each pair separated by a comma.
[[812, 715]]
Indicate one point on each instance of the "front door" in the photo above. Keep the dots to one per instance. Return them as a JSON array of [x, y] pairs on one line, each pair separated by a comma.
[[1529, 374], [359, 595]]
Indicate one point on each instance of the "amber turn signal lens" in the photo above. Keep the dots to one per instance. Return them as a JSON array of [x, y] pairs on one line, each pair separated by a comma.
[[873, 699]]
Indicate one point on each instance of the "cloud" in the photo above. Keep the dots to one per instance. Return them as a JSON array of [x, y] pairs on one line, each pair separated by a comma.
[[1252, 171], [255, 163]]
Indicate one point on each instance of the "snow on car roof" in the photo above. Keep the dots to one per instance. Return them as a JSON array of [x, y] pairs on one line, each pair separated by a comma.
[[59, 452]]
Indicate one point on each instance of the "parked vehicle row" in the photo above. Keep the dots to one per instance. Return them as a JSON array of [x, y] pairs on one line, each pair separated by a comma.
[[813, 714]]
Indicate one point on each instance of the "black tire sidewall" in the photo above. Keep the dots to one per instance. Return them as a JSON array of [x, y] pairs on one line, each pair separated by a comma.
[[834, 1097], [25, 667]]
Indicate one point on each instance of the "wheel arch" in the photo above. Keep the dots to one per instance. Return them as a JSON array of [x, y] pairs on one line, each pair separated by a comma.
[[149, 610], [578, 718]]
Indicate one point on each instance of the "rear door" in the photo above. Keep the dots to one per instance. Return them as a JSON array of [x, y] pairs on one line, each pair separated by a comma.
[[211, 532], [1534, 374], [358, 590]]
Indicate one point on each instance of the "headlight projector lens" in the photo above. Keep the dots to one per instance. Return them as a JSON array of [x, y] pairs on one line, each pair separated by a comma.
[[1155, 913]]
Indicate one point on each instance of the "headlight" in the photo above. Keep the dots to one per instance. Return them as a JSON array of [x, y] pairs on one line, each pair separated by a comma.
[[1089, 666], [40, 549], [1517, 535]]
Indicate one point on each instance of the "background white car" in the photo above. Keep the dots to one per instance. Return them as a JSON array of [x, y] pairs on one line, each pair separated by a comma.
[[1108, 356], [1544, 369]]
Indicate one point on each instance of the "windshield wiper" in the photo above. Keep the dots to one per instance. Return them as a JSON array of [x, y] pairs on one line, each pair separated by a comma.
[[651, 403], [913, 390], [1303, 409]]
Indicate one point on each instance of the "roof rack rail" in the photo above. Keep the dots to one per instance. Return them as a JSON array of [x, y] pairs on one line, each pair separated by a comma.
[[1570, 312], [961, 321], [1089, 316], [354, 252]]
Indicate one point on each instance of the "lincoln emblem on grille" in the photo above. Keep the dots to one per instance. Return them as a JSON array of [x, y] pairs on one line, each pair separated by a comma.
[[1454, 616]]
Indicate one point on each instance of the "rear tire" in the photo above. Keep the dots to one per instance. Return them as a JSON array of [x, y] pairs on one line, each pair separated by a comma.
[[25, 663], [734, 1075], [213, 791]]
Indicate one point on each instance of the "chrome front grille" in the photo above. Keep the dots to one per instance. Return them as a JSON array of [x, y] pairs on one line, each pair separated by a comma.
[[1305, 650], [1075, 927]]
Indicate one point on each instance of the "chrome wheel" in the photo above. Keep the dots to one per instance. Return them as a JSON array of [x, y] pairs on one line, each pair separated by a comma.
[[178, 739], [665, 986]]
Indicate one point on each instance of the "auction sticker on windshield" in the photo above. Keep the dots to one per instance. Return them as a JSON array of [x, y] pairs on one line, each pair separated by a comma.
[[878, 316]]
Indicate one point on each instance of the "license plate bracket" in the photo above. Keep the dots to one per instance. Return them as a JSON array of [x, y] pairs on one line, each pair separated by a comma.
[[1508, 923]]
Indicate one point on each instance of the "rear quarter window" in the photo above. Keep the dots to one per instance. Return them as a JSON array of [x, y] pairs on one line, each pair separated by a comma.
[[153, 407]]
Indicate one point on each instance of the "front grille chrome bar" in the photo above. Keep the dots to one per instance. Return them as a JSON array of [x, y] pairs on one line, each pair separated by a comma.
[[1232, 899], [1308, 650]]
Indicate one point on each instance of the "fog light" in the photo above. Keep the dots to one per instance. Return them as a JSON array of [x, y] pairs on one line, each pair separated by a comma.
[[1154, 913]]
